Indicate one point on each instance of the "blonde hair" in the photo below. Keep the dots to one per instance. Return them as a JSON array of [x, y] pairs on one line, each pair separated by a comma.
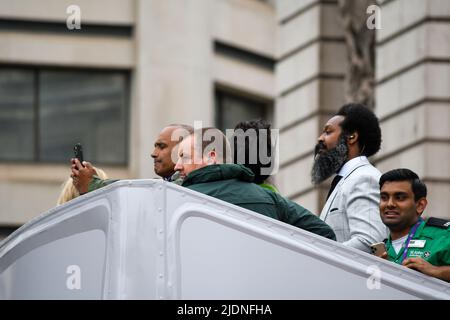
[[69, 192]]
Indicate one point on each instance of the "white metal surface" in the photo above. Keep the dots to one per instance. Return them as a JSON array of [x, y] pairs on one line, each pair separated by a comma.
[[149, 239]]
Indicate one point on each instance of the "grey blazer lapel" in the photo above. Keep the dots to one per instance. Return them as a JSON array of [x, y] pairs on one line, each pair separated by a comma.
[[330, 201]]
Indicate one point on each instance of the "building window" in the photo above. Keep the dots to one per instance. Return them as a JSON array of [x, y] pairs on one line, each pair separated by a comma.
[[233, 108], [16, 114], [44, 112]]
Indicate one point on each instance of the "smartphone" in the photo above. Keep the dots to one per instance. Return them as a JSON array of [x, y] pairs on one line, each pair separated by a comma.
[[378, 248], [78, 151]]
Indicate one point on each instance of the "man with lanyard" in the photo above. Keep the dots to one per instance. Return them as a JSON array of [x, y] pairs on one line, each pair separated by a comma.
[[413, 242]]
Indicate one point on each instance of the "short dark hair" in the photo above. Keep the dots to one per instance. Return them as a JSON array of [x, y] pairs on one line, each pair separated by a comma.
[[418, 187], [257, 125], [362, 120]]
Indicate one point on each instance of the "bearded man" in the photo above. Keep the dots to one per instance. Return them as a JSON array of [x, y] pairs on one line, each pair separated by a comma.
[[352, 206]]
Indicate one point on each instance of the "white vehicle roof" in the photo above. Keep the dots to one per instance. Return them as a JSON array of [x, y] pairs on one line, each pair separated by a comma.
[[150, 239]]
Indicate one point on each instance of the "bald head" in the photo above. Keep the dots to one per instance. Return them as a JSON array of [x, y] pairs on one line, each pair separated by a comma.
[[164, 153]]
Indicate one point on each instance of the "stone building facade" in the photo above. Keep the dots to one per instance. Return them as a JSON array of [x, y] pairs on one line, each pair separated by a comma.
[[217, 62]]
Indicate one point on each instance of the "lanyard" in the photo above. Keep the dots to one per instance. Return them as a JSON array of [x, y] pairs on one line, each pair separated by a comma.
[[410, 236]]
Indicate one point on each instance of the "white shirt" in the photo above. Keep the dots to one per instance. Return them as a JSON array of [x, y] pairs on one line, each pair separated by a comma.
[[352, 164], [398, 244]]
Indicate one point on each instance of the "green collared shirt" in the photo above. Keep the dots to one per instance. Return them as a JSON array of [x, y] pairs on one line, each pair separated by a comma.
[[429, 243], [269, 186]]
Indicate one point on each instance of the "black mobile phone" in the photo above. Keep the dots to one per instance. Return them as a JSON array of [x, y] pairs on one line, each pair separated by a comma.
[[78, 151]]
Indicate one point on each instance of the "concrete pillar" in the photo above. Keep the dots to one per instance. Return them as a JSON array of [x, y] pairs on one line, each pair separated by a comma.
[[413, 94], [310, 73], [173, 72]]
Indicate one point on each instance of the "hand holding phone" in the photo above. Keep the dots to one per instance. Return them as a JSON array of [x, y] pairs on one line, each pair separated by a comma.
[[81, 175], [78, 151], [378, 248]]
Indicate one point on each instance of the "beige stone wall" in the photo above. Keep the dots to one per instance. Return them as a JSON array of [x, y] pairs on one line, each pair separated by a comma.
[[21, 47], [29, 190], [105, 12], [44, 48], [173, 78], [249, 25], [309, 85], [413, 94], [173, 71], [243, 77]]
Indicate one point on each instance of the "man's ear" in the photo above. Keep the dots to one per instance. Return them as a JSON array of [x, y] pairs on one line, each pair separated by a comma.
[[212, 157], [421, 204], [353, 138]]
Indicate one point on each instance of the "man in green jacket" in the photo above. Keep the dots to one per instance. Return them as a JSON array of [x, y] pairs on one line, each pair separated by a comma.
[[413, 242], [201, 166]]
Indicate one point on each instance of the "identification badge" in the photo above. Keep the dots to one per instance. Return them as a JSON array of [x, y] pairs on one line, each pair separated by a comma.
[[417, 243]]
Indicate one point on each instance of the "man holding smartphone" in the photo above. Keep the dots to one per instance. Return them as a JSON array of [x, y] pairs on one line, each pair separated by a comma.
[[85, 178], [423, 245]]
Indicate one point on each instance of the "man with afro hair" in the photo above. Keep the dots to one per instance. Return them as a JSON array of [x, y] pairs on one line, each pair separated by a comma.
[[352, 206]]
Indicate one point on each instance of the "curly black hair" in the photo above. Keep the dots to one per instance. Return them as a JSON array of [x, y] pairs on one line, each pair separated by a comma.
[[245, 149], [362, 120]]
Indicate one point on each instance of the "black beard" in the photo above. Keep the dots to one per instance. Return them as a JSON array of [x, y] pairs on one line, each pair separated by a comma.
[[328, 163]]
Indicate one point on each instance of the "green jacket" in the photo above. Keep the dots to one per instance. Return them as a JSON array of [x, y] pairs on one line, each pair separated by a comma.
[[97, 183], [430, 242], [233, 183]]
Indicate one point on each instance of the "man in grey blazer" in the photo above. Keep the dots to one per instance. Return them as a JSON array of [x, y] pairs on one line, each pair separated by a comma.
[[352, 207]]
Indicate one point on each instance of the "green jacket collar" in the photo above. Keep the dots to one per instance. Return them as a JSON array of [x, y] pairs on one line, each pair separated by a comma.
[[217, 172], [269, 186]]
